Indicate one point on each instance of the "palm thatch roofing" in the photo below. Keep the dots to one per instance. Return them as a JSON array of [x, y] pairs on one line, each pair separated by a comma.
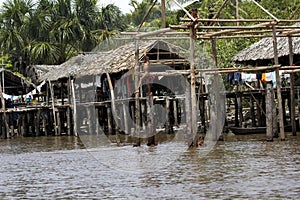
[[263, 49], [113, 61], [34, 72]]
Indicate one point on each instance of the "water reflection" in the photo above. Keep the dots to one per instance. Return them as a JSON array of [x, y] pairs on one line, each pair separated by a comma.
[[61, 167]]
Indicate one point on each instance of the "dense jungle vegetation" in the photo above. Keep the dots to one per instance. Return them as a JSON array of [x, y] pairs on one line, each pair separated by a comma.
[[52, 31]]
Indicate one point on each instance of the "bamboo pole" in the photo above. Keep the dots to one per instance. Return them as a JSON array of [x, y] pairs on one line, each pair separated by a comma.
[[186, 12], [113, 105], [237, 29], [219, 11], [292, 89], [74, 108], [278, 87], [237, 11], [146, 15], [265, 10]]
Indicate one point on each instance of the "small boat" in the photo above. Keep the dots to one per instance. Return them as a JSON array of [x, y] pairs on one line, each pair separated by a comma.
[[248, 130], [254, 130]]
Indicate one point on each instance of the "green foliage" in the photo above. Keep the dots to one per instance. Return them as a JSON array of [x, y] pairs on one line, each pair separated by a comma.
[[50, 32], [6, 62]]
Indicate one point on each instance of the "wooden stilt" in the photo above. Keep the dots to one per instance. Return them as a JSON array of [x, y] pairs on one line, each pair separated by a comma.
[[259, 112], [137, 102], [193, 103], [58, 123], [292, 89], [167, 123], [109, 120], [269, 112], [236, 111], [274, 112], [252, 111], [150, 118], [175, 107], [53, 107], [74, 108], [37, 122], [278, 86]]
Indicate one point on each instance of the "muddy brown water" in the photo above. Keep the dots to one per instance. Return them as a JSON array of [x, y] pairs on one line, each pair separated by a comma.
[[241, 167]]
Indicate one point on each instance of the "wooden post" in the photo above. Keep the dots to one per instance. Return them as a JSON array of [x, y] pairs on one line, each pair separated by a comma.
[[137, 102], [53, 107], [69, 89], [259, 112], [24, 124], [74, 108], [193, 132], [62, 93], [278, 86], [37, 122], [167, 124], [109, 120], [292, 89], [175, 112], [58, 123], [269, 112], [275, 118], [44, 121], [150, 118], [125, 120], [6, 135], [236, 111], [252, 111], [240, 108]]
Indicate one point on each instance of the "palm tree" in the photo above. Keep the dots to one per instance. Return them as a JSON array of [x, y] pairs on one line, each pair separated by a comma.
[[14, 20]]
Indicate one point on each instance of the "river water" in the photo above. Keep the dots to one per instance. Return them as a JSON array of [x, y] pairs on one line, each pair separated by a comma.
[[240, 167]]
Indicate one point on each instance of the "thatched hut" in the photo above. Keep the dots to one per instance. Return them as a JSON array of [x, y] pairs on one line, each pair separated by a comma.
[[118, 61], [262, 53]]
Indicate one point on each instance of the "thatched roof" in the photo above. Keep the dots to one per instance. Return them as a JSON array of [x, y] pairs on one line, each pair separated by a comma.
[[114, 61], [263, 50], [34, 72]]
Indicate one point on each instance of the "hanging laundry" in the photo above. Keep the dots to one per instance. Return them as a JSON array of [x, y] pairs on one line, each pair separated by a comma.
[[263, 78], [98, 80], [229, 78], [237, 78]]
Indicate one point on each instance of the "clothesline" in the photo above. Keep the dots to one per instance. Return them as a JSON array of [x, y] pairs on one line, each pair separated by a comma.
[[241, 77], [30, 94]]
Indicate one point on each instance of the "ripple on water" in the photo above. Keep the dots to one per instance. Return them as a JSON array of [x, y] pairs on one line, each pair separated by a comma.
[[240, 168]]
